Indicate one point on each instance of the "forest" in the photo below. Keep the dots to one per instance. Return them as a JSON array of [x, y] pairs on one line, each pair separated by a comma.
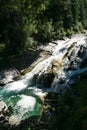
[[25, 24]]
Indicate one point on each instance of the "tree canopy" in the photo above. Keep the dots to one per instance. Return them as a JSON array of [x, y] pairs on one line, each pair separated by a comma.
[[26, 23]]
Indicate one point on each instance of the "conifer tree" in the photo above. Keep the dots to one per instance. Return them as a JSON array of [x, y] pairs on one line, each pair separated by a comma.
[[75, 10]]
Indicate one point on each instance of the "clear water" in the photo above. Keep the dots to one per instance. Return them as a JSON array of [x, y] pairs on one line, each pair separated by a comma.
[[22, 104]]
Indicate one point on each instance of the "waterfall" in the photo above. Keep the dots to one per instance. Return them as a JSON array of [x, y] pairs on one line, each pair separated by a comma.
[[51, 74]]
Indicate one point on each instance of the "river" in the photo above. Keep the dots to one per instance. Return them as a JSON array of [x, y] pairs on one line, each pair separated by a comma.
[[64, 62]]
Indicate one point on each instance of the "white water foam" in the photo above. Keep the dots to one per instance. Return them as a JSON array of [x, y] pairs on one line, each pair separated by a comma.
[[24, 105]]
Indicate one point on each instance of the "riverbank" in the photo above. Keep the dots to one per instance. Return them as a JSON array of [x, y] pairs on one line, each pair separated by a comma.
[[29, 58]]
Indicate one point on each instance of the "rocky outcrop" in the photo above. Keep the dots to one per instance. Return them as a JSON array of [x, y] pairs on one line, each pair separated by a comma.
[[69, 62], [4, 115], [3, 106], [7, 120], [7, 76]]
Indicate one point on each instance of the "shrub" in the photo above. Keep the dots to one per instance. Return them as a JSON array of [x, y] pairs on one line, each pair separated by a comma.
[[46, 31], [30, 42]]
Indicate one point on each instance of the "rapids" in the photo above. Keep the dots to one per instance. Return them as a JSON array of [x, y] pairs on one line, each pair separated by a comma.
[[64, 64]]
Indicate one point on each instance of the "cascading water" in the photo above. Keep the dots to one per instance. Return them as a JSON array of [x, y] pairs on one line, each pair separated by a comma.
[[51, 74]]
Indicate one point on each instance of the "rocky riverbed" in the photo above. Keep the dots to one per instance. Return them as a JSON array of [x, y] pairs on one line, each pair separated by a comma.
[[58, 65]]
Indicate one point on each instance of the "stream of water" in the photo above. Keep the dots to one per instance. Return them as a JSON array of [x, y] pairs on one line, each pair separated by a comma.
[[22, 96]]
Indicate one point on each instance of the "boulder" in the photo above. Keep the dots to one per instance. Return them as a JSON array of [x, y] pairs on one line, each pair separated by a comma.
[[3, 106], [14, 120]]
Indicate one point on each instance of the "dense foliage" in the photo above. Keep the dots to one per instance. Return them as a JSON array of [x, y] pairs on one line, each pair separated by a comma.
[[26, 23], [71, 113]]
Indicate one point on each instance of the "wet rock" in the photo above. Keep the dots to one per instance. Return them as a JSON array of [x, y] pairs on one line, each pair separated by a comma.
[[2, 83], [7, 76], [62, 80], [46, 79], [74, 67], [3, 106], [3, 117], [81, 51], [13, 120], [35, 78], [77, 59], [6, 119]]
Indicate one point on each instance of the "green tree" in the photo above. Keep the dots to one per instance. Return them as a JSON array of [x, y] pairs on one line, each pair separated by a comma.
[[11, 21], [75, 10]]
